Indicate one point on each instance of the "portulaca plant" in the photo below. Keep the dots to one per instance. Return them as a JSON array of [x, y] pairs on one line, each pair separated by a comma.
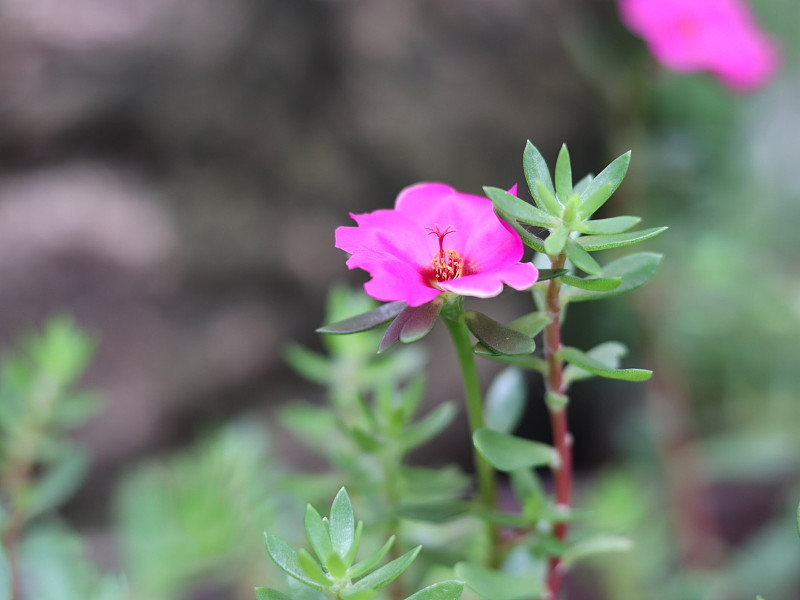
[[435, 247]]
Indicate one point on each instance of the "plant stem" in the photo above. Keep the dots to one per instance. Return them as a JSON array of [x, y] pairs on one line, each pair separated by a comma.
[[472, 391], [562, 438]]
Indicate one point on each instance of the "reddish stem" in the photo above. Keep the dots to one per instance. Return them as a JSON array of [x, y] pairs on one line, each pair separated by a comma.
[[562, 438]]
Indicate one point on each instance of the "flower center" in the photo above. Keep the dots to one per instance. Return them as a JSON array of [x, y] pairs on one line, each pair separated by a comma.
[[447, 264]]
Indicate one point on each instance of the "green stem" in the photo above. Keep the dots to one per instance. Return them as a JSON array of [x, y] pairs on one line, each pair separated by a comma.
[[472, 390]]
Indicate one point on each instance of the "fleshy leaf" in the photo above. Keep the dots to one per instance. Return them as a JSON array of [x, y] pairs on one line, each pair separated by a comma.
[[592, 243], [342, 523], [496, 585], [531, 324], [581, 186], [605, 226], [509, 453], [582, 259], [530, 362], [283, 555], [548, 198], [594, 366], [600, 544], [498, 338], [635, 270], [365, 321], [265, 593], [563, 174], [318, 534], [420, 321], [433, 424], [434, 511], [554, 243], [365, 565], [312, 568], [513, 206], [385, 574], [505, 400], [545, 274], [528, 238], [608, 353], [446, 590], [593, 284], [535, 168], [602, 186]]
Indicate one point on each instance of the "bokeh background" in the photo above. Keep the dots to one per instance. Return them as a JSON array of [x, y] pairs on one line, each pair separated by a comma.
[[172, 171]]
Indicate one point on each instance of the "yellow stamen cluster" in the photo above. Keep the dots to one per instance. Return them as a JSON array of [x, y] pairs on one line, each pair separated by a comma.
[[447, 266]]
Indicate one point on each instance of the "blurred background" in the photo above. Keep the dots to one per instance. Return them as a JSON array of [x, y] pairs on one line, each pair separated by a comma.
[[172, 171]]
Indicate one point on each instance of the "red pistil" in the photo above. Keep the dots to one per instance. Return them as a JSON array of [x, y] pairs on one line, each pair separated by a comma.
[[448, 264]]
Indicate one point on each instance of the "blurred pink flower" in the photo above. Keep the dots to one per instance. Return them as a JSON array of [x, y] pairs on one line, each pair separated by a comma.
[[435, 240], [720, 36]]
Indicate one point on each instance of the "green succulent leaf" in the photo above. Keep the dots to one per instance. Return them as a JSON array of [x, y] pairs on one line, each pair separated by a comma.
[[594, 366], [315, 367], [318, 534], [440, 510], [385, 574], [509, 453], [350, 557], [505, 400], [513, 206], [365, 565], [605, 226], [446, 590], [600, 544], [531, 324], [312, 568], [496, 585], [563, 174], [581, 186], [433, 424], [606, 183], [496, 337], [554, 244], [285, 557], [365, 321], [593, 284], [635, 270], [607, 353], [582, 259], [265, 593], [548, 198], [528, 238], [342, 524], [545, 274], [592, 243], [535, 168], [412, 324]]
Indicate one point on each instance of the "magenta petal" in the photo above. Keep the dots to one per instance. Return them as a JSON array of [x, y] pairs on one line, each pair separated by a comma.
[[520, 276], [393, 280]]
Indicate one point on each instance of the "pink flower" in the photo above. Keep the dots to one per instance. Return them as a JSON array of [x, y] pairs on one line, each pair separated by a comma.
[[720, 36], [435, 240]]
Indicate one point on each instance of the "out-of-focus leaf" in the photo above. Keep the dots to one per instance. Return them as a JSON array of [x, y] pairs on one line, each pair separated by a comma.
[[513, 206], [498, 338], [593, 284], [505, 400], [385, 574], [581, 186], [496, 585], [342, 523], [509, 453], [264, 593], [433, 424], [365, 565], [606, 226], [58, 482], [606, 183], [594, 366], [285, 557], [563, 174], [446, 590], [530, 362], [313, 366], [581, 258], [531, 324], [593, 243], [365, 321], [635, 270], [424, 484], [607, 353], [434, 511], [600, 544]]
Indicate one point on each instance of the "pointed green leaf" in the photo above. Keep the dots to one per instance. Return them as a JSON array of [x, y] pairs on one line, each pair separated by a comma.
[[594, 366], [600, 544], [531, 324], [530, 362], [440, 510], [581, 186], [509, 453], [592, 243], [57, 482], [385, 574], [505, 400], [313, 366], [336, 566], [265, 593], [351, 554], [593, 284], [528, 238], [342, 523], [498, 338], [284, 556], [582, 259], [635, 270], [516, 207], [602, 186], [420, 321], [610, 225], [535, 168], [312, 568], [411, 396], [365, 321], [365, 440], [317, 534], [563, 174], [608, 353], [551, 203], [433, 424], [496, 585], [365, 565], [545, 274], [446, 590], [554, 244]]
